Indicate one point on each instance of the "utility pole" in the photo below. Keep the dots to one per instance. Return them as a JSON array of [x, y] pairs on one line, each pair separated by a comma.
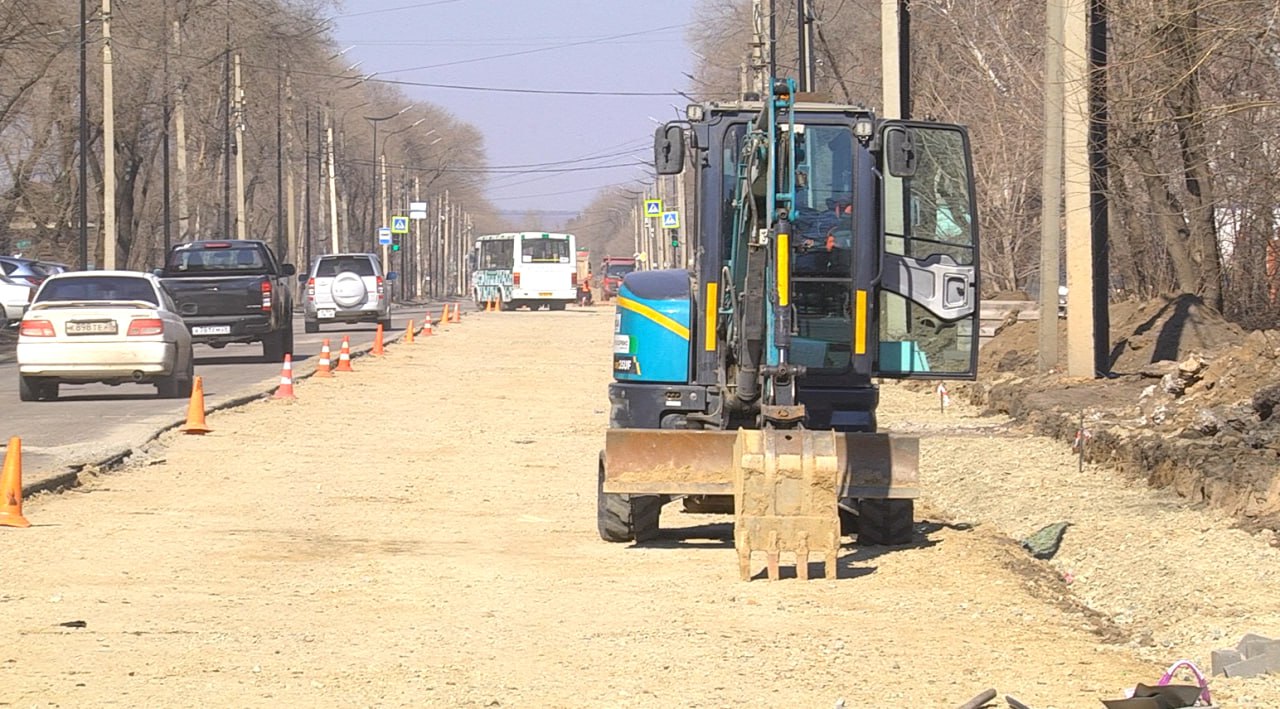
[[1075, 74], [84, 137], [685, 252], [290, 214], [306, 191], [804, 29], [281, 246], [108, 145], [226, 128], [1051, 188], [167, 112], [180, 135], [333, 187], [382, 169], [418, 265], [239, 147], [760, 56]]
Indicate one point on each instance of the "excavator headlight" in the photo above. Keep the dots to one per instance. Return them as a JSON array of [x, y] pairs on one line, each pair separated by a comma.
[[863, 128], [694, 112]]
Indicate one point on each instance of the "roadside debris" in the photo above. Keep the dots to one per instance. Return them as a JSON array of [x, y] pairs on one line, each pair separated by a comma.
[[1254, 655], [1045, 542]]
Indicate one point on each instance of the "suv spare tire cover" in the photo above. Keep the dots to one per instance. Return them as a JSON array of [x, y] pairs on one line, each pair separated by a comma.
[[348, 289]]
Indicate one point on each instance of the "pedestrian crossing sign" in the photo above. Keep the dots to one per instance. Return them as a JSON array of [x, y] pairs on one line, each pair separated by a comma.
[[653, 207], [399, 225], [671, 220]]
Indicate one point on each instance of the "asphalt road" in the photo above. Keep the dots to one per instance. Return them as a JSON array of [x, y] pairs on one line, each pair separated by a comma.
[[91, 423]]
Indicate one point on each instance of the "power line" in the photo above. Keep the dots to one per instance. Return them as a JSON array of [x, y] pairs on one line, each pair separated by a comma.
[[593, 40], [397, 9]]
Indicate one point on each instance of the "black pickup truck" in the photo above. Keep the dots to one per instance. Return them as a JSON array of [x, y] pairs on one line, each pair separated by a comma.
[[232, 291]]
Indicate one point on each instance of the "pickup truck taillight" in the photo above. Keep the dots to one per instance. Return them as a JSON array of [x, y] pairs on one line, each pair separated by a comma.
[[266, 296], [311, 289], [379, 287], [515, 278], [36, 328], [141, 327]]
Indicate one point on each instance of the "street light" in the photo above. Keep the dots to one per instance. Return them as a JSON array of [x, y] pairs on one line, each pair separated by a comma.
[[375, 121]]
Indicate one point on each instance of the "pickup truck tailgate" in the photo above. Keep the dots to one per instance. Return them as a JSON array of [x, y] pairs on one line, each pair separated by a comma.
[[229, 296]]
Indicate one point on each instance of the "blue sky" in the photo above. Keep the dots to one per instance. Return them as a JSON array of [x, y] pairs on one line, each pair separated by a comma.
[[522, 128]]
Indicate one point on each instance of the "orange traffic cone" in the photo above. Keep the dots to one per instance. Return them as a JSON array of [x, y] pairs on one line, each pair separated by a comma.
[[324, 365], [344, 357], [285, 390], [427, 330], [195, 409], [408, 334], [457, 312], [490, 306], [377, 342], [11, 487]]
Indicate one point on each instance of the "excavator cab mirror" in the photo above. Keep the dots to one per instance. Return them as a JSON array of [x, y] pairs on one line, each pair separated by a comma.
[[668, 149], [900, 151]]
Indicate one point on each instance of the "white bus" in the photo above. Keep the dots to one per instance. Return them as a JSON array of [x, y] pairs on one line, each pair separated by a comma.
[[525, 269]]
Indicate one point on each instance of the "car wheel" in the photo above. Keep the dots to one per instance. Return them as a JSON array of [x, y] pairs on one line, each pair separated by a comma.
[[273, 347], [28, 388], [558, 306], [187, 383], [310, 326]]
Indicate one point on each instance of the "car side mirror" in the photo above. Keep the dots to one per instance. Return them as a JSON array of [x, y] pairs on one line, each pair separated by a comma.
[[157, 272], [392, 275], [288, 269], [302, 279], [900, 152], [668, 149]]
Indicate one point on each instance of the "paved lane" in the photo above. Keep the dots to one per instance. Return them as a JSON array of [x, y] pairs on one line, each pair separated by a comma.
[[93, 422]]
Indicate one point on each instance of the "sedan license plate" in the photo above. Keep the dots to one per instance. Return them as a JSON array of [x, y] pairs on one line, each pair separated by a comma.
[[91, 327], [326, 313], [211, 330]]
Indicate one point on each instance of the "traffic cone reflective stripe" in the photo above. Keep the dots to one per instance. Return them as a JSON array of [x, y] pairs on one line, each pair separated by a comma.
[[324, 365], [285, 390], [195, 409], [377, 342], [457, 313], [344, 357], [408, 334], [11, 486]]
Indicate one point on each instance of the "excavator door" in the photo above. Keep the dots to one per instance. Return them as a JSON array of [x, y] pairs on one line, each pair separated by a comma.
[[927, 302]]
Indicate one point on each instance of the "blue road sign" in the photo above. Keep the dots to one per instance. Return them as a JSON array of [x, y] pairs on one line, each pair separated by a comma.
[[384, 236]]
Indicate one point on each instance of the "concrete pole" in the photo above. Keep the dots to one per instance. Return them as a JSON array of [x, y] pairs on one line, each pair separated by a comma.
[[1075, 74], [291, 217], [685, 252], [1051, 187], [333, 187], [180, 136], [239, 134], [419, 261], [382, 190], [108, 145]]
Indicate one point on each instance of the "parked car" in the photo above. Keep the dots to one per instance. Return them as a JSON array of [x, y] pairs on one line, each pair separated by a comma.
[[27, 270], [232, 291], [14, 297], [112, 327], [347, 288]]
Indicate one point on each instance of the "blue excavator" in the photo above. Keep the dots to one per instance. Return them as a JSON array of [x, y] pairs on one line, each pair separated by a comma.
[[831, 249]]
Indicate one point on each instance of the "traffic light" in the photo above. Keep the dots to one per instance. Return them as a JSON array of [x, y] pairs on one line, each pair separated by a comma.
[[675, 239], [395, 246]]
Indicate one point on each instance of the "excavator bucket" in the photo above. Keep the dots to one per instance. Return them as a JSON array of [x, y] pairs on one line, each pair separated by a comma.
[[786, 487], [786, 483]]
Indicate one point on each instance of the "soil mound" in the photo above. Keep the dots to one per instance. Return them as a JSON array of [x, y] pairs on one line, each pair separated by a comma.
[[1191, 402]]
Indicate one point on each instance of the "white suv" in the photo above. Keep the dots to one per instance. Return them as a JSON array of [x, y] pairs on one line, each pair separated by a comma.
[[348, 288]]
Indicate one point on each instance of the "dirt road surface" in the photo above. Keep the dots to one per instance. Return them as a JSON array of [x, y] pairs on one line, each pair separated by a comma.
[[421, 532]]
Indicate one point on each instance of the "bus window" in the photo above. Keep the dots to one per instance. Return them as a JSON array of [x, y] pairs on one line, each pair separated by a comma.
[[496, 254], [545, 250]]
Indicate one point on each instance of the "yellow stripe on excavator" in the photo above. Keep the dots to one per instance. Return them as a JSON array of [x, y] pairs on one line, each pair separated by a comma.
[[645, 311], [860, 322], [784, 270], [713, 310]]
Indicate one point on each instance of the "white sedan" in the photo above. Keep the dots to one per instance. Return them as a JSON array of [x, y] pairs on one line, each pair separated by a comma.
[[103, 326]]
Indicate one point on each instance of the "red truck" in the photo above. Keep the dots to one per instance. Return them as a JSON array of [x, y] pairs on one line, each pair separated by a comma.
[[612, 270]]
